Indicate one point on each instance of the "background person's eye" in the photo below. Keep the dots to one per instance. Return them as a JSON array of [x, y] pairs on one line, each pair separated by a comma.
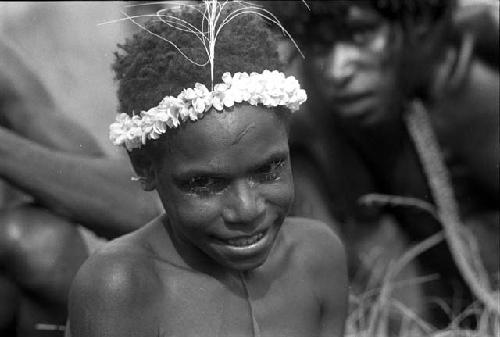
[[204, 185], [363, 34], [269, 172]]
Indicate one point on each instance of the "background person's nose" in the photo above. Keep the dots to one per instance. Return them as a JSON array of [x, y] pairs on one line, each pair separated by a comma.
[[340, 63], [243, 204]]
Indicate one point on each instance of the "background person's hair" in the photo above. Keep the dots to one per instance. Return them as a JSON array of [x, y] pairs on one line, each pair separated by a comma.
[[421, 31], [148, 68], [297, 19]]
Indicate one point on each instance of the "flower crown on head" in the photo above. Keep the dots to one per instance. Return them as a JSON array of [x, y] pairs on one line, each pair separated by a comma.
[[269, 88]]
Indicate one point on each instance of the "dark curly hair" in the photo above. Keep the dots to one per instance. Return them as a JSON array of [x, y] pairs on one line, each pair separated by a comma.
[[148, 68], [297, 19]]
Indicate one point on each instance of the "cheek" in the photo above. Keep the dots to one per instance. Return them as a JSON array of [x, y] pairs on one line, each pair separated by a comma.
[[188, 210], [280, 194], [195, 212]]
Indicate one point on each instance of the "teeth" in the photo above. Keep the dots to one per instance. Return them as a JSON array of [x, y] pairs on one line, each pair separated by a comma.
[[242, 242]]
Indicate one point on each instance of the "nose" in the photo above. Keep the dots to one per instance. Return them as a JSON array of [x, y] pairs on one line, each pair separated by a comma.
[[339, 64], [243, 204]]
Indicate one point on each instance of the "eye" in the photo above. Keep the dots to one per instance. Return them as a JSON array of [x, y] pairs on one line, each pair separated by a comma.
[[203, 185], [269, 172], [363, 34]]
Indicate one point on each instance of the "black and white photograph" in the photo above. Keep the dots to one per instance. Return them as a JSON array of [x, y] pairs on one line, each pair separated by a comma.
[[230, 168]]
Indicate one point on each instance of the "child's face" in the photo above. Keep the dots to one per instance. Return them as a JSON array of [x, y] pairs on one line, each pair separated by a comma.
[[226, 184]]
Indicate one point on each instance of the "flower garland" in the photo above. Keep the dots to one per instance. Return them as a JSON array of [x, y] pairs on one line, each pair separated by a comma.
[[269, 88]]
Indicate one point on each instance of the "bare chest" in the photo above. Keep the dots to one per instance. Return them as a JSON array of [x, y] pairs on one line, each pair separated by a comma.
[[197, 305]]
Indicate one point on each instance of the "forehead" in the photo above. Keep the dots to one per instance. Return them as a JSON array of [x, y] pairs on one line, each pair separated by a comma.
[[228, 140]]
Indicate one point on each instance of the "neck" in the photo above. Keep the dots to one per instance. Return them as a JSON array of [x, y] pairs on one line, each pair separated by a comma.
[[378, 142]]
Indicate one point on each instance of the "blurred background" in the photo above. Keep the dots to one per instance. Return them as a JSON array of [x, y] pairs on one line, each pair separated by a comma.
[[71, 54]]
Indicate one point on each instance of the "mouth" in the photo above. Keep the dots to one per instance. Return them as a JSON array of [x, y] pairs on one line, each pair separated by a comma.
[[245, 251], [344, 99], [244, 241]]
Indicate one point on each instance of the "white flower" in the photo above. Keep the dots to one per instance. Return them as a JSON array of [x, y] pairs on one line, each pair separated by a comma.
[[217, 103], [228, 99], [268, 88], [189, 94], [227, 79], [199, 105]]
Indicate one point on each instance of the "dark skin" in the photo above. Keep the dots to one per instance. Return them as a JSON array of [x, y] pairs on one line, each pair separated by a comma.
[[221, 179], [34, 129], [69, 181], [358, 77]]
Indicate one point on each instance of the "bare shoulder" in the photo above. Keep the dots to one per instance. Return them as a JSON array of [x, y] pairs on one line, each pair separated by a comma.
[[115, 291], [122, 267], [320, 255], [314, 241]]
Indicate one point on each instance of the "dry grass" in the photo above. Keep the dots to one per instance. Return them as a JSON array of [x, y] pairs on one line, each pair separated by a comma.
[[377, 313], [374, 315]]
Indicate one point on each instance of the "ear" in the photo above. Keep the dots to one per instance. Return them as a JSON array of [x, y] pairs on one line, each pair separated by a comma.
[[144, 168]]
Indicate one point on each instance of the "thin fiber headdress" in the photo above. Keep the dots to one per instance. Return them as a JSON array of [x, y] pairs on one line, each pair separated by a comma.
[[269, 88]]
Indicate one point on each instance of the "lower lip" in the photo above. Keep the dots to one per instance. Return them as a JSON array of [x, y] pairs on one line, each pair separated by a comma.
[[348, 100]]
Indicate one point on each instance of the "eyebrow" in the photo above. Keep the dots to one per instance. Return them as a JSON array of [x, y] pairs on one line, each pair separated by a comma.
[[219, 172]]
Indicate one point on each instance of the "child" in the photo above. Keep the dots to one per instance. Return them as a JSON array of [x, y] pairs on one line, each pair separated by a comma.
[[224, 259]]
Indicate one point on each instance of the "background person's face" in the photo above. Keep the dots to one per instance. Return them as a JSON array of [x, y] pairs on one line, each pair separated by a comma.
[[353, 65], [226, 184]]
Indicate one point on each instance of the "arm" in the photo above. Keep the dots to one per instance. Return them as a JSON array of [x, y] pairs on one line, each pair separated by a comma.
[[94, 191], [27, 108], [59, 163], [481, 149], [480, 19], [114, 295], [467, 123]]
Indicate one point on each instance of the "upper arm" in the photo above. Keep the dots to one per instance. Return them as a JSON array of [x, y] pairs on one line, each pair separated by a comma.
[[482, 151], [476, 138], [27, 108], [113, 296], [328, 270]]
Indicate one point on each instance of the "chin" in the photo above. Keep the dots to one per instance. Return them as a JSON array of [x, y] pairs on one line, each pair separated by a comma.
[[247, 265], [364, 114], [354, 116]]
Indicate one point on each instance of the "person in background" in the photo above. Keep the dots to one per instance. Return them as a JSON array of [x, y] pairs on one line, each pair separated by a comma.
[[366, 63]]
